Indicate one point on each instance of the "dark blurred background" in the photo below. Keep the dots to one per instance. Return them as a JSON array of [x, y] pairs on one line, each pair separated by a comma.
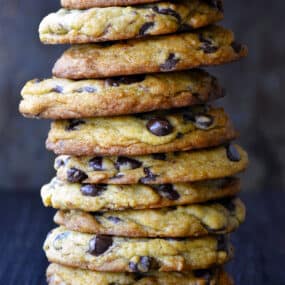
[[253, 91]]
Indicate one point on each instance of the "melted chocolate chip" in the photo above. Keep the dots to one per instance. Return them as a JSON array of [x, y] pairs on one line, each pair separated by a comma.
[[159, 156], [232, 153], [236, 47], [96, 163], [205, 274], [218, 4], [126, 80], [93, 190], [207, 45], [167, 191], [149, 176], [159, 126], [75, 175], [100, 244], [170, 63], [167, 11], [203, 122], [127, 162], [145, 27], [145, 264], [222, 244], [74, 124], [228, 204], [57, 89], [87, 89], [113, 219]]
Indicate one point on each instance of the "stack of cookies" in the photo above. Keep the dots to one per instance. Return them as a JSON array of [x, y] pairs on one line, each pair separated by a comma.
[[146, 174]]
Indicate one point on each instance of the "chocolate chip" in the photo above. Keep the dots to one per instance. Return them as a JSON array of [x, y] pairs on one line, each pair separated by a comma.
[[126, 80], [218, 4], [96, 163], [61, 161], [232, 153], [145, 27], [128, 163], [57, 89], [159, 126], [93, 190], [149, 176], [170, 63], [185, 28], [113, 219], [159, 156], [57, 242], [203, 122], [99, 244], [167, 11], [228, 204], [207, 45], [73, 124], [236, 47], [75, 175], [179, 135], [222, 244], [38, 80], [87, 89], [144, 264], [205, 274], [167, 191]]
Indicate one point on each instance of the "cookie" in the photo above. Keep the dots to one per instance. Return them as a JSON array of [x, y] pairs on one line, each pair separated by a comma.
[[57, 98], [209, 46], [155, 132], [85, 4], [59, 275], [102, 197], [118, 254], [219, 217], [119, 23], [158, 168]]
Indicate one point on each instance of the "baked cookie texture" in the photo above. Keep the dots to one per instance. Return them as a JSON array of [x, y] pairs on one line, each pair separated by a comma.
[[119, 23], [56, 98], [62, 275], [86, 4], [155, 132], [220, 217], [102, 197], [161, 168], [118, 254], [207, 46]]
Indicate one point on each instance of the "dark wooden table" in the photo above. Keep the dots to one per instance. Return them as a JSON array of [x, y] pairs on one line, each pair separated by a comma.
[[260, 242]]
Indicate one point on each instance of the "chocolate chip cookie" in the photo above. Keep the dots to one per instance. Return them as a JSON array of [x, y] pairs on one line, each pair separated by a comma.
[[85, 4], [207, 46], [218, 217], [57, 98], [118, 254], [59, 275], [119, 23], [102, 197], [154, 132], [157, 168]]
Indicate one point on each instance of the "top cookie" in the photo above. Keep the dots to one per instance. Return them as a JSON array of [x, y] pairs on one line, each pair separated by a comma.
[[209, 46], [119, 23], [85, 4]]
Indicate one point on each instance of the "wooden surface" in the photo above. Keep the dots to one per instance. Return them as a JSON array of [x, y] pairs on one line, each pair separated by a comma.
[[260, 242]]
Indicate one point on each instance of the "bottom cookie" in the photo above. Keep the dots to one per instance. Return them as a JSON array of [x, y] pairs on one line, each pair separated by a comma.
[[61, 275]]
